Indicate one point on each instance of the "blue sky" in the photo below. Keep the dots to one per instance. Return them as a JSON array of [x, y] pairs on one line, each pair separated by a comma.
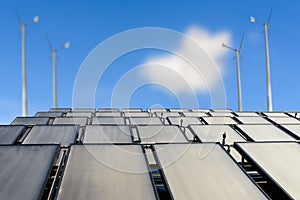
[[87, 23]]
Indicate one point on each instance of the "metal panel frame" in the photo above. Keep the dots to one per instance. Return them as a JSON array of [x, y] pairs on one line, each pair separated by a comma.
[[74, 120], [132, 124], [132, 110], [139, 135], [232, 127], [217, 143], [91, 110], [167, 114], [251, 139], [239, 118], [206, 122], [221, 110], [187, 118], [136, 114], [30, 124], [222, 114], [275, 114], [200, 110], [48, 114], [116, 143], [18, 135], [251, 160], [149, 171], [121, 144], [246, 114], [273, 120], [108, 110], [180, 110], [290, 132], [195, 114], [76, 127], [50, 166], [108, 114], [79, 114], [96, 118], [60, 109], [153, 110]]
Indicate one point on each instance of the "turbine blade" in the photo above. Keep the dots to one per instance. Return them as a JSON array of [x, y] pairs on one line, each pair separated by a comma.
[[18, 16], [228, 47], [49, 43], [242, 40], [270, 16]]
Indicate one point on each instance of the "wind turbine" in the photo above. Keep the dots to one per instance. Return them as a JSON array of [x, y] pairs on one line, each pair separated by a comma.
[[266, 30], [237, 57], [53, 55], [24, 79]]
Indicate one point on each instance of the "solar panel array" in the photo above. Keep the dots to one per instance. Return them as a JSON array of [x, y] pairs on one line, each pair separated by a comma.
[[158, 153]]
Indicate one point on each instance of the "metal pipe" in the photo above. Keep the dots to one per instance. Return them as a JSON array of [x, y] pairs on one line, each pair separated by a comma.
[[238, 80], [24, 80], [53, 52], [269, 92]]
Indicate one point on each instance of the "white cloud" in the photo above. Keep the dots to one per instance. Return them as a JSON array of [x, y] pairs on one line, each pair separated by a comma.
[[201, 67]]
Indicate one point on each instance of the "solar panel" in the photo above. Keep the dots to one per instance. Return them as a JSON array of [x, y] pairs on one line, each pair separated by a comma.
[[30, 120], [222, 110], [153, 110], [106, 172], [60, 109], [285, 120], [145, 121], [108, 121], [200, 110], [280, 161], [264, 132], [108, 114], [24, 170], [131, 110], [167, 114], [275, 114], [195, 114], [9, 134], [160, 134], [221, 114], [136, 114], [91, 110], [204, 171], [48, 114], [214, 133], [107, 134], [79, 114], [178, 110], [247, 114], [82, 121], [59, 134], [184, 121], [294, 128], [253, 120], [108, 110], [219, 120], [108, 160]]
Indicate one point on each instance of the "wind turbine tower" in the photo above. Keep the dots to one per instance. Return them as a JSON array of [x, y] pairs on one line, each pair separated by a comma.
[[237, 58]]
